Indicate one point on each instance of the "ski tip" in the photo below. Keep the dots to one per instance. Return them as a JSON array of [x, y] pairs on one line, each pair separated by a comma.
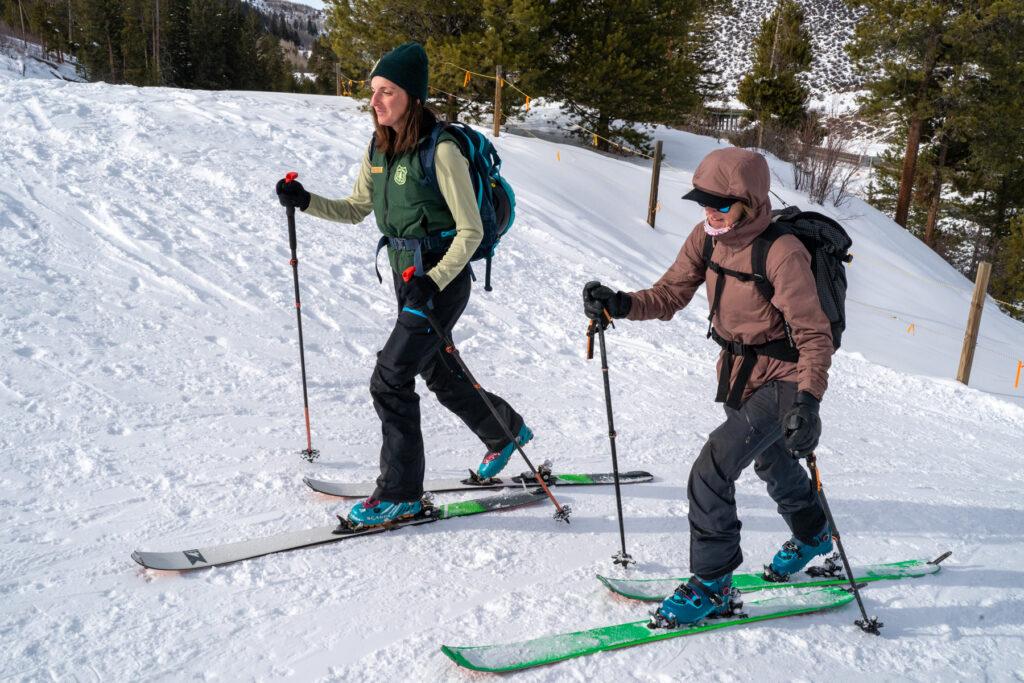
[[138, 558], [940, 558]]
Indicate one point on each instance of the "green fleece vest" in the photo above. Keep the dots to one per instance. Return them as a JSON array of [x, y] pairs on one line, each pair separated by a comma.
[[404, 203]]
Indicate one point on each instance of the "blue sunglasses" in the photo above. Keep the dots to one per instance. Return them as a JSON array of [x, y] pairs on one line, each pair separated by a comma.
[[719, 210]]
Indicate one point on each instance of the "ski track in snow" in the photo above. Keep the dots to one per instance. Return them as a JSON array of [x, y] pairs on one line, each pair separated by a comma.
[[150, 397]]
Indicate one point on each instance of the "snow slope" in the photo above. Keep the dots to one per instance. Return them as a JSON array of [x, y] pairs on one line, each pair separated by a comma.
[[15, 53], [150, 398]]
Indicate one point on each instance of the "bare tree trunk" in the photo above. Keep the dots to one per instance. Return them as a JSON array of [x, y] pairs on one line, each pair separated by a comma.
[[914, 133], [604, 123], [110, 56], [933, 208], [156, 42], [907, 174]]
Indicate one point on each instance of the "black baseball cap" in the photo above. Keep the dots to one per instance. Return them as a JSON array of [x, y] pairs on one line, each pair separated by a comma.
[[707, 199]]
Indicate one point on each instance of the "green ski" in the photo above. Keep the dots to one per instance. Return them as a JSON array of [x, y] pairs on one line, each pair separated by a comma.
[[551, 649], [831, 574]]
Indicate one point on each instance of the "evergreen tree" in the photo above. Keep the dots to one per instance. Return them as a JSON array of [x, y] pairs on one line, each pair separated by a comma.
[[136, 43], [322, 61], [176, 53], [101, 31], [772, 90], [993, 116], [248, 72], [977, 80], [623, 62], [232, 24], [1007, 283], [208, 44], [516, 35], [275, 73], [900, 47], [361, 31]]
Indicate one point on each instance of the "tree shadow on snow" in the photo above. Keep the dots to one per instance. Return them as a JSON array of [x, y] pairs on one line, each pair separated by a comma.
[[853, 516]]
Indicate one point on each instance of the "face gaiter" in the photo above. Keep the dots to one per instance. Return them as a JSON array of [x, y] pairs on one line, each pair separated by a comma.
[[715, 232]]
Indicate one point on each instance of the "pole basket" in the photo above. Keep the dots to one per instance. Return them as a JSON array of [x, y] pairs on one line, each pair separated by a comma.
[[562, 514], [623, 558], [870, 625], [309, 454]]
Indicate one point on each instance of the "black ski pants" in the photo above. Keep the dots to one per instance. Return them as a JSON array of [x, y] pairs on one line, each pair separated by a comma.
[[751, 434], [415, 349]]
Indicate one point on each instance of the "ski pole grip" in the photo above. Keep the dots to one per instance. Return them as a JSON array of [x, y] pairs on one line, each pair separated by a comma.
[[290, 211], [408, 273]]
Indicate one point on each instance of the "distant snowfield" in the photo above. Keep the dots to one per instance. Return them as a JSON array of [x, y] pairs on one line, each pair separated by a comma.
[[150, 398]]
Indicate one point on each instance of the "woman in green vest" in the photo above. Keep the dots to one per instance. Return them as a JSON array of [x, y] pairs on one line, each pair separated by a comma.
[[438, 233]]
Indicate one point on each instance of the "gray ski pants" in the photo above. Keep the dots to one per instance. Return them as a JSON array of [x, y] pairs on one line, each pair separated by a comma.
[[751, 434]]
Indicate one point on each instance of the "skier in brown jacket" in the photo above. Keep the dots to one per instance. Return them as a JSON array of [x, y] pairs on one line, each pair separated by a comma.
[[773, 371]]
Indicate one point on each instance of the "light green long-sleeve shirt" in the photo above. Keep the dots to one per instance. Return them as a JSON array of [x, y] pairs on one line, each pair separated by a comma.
[[457, 189]]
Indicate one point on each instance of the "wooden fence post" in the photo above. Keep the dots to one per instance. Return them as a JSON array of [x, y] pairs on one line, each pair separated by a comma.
[[497, 101], [452, 116], [652, 203], [963, 374]]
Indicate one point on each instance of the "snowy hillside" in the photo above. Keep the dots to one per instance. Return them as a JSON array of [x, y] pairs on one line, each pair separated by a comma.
[[150, 398], [830, 23], [13, 58]]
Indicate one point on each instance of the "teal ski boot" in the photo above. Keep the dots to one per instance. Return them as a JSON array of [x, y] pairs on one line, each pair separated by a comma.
[[695, 601], [794, 555], [495, 461], [371, 512]]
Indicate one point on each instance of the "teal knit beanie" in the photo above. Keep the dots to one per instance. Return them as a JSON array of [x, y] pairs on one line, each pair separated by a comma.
[[406, 66]]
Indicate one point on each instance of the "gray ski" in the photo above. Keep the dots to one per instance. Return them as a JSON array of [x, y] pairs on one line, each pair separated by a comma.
[[211, 556]]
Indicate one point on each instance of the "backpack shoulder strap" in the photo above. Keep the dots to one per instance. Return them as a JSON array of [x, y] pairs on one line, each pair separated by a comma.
[[427, 152], [759, 258], [709, 247]]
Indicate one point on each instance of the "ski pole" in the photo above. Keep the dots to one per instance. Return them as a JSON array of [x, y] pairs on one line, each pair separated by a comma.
[[867, 624], [310, 454], [561, 511], [622, 557]]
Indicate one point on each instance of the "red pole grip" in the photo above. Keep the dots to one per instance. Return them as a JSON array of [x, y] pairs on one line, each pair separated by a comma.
[[290, 176], [408, 273]]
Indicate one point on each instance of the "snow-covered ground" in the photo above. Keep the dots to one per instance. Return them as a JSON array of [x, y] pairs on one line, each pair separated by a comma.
[[15, 54], [150, 398]]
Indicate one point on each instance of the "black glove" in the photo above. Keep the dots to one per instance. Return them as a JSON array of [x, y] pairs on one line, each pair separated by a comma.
[[418, 291], [292, 194], [802, 425], [597, 297]]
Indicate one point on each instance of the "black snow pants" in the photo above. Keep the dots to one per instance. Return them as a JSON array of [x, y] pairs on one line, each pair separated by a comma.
[[751, 434], [415, 349]]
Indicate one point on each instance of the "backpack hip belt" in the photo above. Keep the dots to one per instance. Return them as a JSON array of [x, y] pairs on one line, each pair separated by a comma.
[[732, 396], [430, 243]]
